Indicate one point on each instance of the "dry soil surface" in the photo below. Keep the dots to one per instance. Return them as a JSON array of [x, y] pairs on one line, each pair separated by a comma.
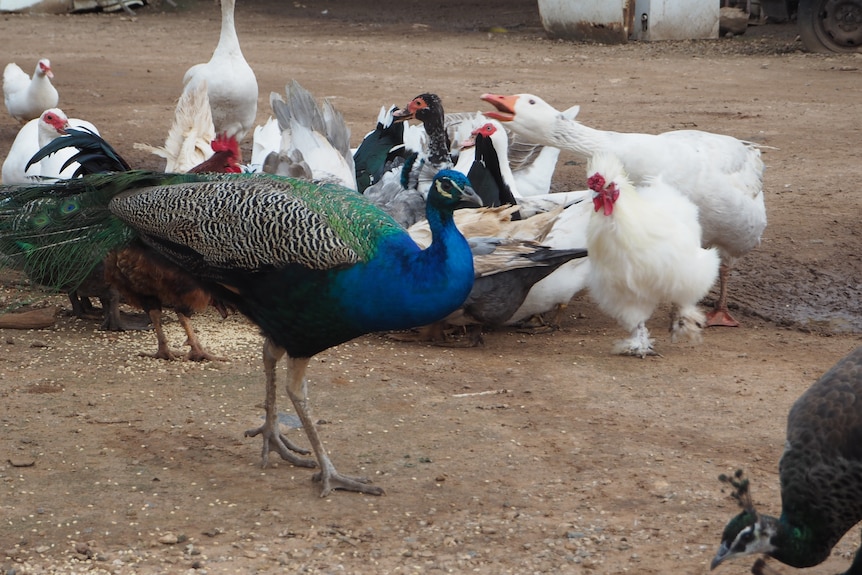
[[536, 453]]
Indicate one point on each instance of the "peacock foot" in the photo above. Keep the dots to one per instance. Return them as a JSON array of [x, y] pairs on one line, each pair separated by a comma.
[[273, 440], [335, 480]]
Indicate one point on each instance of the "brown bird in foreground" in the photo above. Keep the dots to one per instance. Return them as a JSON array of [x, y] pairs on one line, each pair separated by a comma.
[[142, 277]]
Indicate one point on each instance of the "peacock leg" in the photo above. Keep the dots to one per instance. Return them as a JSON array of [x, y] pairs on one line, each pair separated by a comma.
[[297, 390], [720, 315], [197, 352], [272, 439], [163, 351]]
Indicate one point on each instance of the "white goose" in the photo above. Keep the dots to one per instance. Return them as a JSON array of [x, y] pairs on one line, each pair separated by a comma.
[[26, 98], [31, 138], [722, 175], [231, 83]]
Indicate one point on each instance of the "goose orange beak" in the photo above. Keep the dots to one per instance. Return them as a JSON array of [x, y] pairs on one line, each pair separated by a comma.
[[505, 106]]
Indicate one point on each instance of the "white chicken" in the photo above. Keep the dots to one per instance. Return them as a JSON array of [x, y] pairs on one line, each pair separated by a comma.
[[189, 141], [31, 138], [231, 83], [26, 98], [644, 247], [722, 175]]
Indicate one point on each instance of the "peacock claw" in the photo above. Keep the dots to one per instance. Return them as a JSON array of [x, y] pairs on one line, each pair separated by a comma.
[[345, 483], [281, 445]]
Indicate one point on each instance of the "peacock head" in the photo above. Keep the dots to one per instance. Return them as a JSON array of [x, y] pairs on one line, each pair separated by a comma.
[[749, 532], [451, 189]]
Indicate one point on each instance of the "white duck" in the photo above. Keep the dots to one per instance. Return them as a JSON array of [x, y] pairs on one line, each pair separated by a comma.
[[231, 83], [189, 141], [31, 138], [26, 98], [313, 140], [722, 175], [644, 246]]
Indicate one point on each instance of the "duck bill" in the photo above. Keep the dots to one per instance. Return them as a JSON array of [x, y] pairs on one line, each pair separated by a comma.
[[505, 107], [402, 114]]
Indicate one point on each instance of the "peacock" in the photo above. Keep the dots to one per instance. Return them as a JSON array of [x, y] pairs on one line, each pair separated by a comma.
[[313, 265], [821, 479]]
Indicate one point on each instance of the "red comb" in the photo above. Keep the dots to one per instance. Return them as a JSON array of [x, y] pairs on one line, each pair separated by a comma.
[[224, 143], [596, 182]]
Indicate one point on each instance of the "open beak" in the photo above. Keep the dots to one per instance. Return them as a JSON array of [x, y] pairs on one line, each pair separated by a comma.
[[505, 106]]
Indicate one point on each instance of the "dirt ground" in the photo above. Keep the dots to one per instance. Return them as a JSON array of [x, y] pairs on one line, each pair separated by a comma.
[[536, 453]]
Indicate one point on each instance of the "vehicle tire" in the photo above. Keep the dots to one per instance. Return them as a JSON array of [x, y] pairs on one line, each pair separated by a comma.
[[830, 25]]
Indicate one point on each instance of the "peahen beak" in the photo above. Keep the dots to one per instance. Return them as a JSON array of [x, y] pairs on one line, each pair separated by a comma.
[[720, 556]]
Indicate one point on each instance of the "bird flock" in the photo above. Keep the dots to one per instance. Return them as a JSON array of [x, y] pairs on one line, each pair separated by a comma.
[[443, 221]]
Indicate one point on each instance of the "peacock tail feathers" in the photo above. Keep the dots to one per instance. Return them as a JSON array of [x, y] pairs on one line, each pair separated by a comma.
[[58, 233]]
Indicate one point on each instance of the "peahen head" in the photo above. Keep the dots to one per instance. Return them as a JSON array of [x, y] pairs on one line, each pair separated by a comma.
[[449, 190], [748, 533]]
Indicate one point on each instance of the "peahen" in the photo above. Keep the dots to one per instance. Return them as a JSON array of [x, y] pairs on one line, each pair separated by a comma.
[[821, 479], [313, 265]]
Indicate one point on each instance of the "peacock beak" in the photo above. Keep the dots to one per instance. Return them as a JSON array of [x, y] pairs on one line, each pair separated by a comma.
[[470, 197]]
